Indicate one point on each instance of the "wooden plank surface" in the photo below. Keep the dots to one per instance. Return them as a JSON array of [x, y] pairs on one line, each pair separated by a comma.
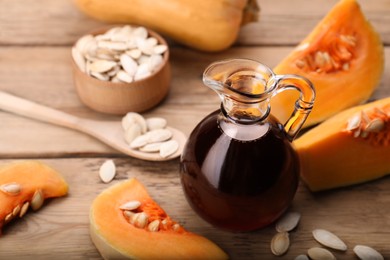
[[35, 41], [359, 215], [282, 22]]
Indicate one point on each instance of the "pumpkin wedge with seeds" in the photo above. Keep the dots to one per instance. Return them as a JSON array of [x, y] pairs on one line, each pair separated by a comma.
[[25, 185], [349, 148], [343, 57], [125, 222]]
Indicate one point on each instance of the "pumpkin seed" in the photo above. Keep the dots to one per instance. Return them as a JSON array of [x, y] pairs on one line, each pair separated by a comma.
[[114, 71], [37, 200], [168, 148], [139, 220], [140, 32], [101, 66], [124, 76], [280, 243], [16, 211], [374, 126], [154, 225], [154, 123], [112, 45], [130, 205], [160, 49], [317, 253], [134, 118], [367, 253], [151, 148], [82, 45], [139, 141], [8, 218], [129, 65], [78, 59], [107, 171], [288, 222], [11, 188], [143, 71], [176, 227], [354, 122], [128, 213], [24, 209], [154, 62], [132, 132], [345, 66], [134, 53], [329, 239], [159, 135], [302, 257], [100, 76], [145, 46]]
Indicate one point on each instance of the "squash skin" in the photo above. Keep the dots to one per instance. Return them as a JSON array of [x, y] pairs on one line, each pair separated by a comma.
[[339, 89], [331, 157], [123, 240], [185, 21], [31, 175]]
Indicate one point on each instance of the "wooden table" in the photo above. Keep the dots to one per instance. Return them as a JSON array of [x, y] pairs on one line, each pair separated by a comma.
[[35, 41]]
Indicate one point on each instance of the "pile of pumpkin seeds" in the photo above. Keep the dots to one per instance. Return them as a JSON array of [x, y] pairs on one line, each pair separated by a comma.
[[149, 135], [280, 243], [368, 122], [13, 189], [122, 54]]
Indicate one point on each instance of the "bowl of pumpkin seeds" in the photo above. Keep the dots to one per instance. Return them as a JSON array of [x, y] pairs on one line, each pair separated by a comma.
[[122, 68]]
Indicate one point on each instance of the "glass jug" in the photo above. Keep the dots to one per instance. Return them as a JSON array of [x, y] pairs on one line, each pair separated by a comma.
[[239, 170]]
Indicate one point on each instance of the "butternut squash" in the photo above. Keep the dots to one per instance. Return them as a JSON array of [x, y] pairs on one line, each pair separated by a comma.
[[204, 25], [343, 58], [349, 148]]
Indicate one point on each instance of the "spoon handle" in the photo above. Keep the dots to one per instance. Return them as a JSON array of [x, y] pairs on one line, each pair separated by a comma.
[[23, 107]]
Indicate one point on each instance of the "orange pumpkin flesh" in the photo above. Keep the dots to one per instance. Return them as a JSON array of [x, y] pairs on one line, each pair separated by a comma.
[[115, 237], [31, 176], [343, 57], [331, 156]]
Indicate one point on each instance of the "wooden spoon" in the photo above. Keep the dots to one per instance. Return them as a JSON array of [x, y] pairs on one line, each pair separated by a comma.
[[109, 132]]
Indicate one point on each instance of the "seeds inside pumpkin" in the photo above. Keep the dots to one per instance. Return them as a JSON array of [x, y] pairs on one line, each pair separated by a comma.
[[24, 209], [331, 56], [371, 125], [11, 188], [37, 200]]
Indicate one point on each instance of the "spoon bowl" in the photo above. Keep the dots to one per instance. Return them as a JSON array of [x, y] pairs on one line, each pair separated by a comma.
[[109, 132]]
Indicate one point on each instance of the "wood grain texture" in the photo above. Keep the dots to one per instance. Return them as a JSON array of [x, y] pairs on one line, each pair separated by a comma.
[[282, 22], [358, 215]]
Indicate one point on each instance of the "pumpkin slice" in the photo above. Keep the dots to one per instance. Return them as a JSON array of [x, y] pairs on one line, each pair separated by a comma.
[[343, 57], [351, 147], [144, 230], [27, 184]]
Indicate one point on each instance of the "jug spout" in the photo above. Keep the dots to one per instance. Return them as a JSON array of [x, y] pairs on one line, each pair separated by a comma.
[[244, 87]]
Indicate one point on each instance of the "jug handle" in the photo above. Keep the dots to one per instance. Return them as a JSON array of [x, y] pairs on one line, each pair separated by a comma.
[[303, 105]]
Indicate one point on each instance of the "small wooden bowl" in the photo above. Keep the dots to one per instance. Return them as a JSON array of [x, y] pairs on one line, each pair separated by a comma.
[[120, 98]]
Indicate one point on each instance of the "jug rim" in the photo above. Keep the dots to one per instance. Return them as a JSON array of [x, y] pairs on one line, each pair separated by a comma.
[[250, 66]]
